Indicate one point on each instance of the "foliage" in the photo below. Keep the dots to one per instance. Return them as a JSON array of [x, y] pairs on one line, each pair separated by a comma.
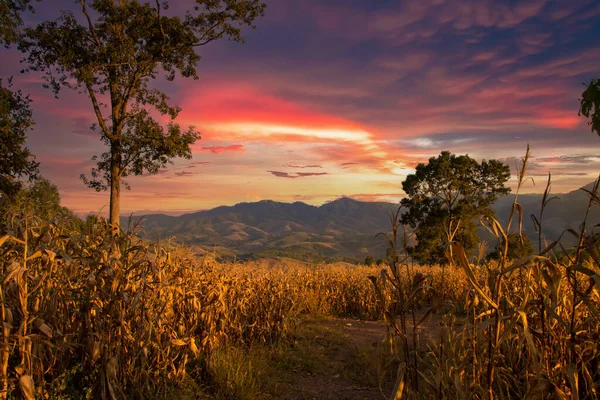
[[369, 261], [113, 51], [590, 105], [519, 246], [11, 20], [444, 198], [40, 200], [16, 161]]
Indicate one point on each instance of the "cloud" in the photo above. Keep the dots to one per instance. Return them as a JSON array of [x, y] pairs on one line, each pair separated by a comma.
[[82, 125], [378, 197], [225, 149], [303, 166], [395, 80], [303, 174], [440, 142], [281, 174], [573, 165], [184, 173]]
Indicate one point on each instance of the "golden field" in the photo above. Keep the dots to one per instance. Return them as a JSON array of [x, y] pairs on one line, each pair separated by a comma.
[[90, 315]]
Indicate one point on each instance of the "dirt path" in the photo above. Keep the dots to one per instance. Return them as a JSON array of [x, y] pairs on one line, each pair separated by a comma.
[[342, 361], [347, 361]]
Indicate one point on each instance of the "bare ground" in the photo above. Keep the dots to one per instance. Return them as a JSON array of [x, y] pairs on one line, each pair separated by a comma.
[[348, 360]]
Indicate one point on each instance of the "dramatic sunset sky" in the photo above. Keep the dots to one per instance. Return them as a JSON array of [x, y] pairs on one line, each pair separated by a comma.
[[344, 97]]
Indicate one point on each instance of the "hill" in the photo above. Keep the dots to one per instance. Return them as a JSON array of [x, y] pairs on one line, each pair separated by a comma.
[[565, 211], [342, 229]]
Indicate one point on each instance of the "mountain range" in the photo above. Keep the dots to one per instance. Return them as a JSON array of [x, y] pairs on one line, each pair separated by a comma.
[[343, 229]]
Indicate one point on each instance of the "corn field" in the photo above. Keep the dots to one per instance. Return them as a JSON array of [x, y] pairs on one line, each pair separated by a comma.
[[91, 315], [507, 329]]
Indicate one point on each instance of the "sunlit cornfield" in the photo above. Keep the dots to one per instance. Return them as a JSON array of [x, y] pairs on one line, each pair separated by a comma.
[[88, 314]]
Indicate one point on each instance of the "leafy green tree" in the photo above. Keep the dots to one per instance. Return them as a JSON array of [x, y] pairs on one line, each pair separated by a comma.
[[112, 51], [39, 203], [445, 197], [10, 19], [16, 161], [590, 104], [519, 246], [39, 199], [44, 198]]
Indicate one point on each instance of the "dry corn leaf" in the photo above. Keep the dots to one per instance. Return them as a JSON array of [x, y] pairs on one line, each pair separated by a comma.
[[27, 387]]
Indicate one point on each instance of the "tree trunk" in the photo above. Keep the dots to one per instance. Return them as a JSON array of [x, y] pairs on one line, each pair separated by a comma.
[[115, 185]]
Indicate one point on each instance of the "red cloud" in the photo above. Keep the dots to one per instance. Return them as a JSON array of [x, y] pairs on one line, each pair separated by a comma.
[[239, 102]]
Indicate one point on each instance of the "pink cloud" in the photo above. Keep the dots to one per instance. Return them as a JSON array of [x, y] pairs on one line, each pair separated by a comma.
[[239, 101], [377, 197]]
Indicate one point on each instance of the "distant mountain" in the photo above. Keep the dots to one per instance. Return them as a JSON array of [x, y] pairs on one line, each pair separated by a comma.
[[565, 211], [342, 229]]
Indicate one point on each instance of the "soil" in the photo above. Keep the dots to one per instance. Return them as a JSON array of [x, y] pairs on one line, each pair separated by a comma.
[[333, 380], [349, 364]]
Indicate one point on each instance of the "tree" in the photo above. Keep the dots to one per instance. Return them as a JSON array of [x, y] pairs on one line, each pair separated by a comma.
[[590, 104], [16, 161], [40, 199], [444, 199], [44, 198], [369, 261], [10, 19], [39, 203], [519, 246], [112, 51]]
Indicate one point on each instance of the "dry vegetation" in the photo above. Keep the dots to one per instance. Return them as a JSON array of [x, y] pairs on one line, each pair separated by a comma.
[[91, 315], [526, 328], [87, 314]]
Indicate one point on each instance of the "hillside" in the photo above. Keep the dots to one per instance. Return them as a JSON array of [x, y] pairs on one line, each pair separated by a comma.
[[344, 228], [565, 211]]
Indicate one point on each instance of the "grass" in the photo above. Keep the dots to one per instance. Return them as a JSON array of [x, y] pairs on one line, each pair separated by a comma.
[[272, 372]]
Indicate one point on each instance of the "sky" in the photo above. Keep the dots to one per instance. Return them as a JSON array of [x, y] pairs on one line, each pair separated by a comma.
[[331, 98]]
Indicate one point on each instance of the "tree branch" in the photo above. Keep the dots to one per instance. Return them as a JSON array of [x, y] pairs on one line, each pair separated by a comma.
[[207, 41], [162, 31], [90, 24], [98, 112]]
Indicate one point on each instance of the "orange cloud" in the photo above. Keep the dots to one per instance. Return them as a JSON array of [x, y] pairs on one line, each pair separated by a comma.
[[225, 149], [281, 174]]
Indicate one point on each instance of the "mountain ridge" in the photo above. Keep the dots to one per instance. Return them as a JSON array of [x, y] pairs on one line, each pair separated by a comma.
[[341, 229]]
